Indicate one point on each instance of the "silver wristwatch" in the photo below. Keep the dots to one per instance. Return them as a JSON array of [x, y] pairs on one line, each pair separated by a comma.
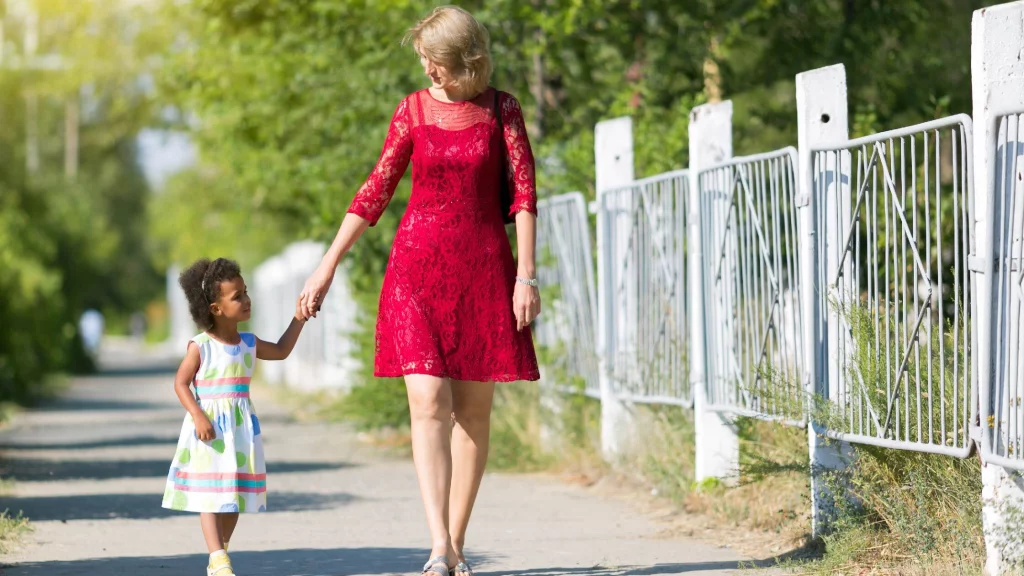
[[527, 281]]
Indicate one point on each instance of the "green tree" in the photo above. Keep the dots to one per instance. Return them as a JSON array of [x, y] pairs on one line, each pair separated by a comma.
[[72, 233]]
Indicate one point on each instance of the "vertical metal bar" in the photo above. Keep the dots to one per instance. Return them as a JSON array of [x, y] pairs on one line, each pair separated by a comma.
[[1016, 256], [938, 299], [1003, 310]]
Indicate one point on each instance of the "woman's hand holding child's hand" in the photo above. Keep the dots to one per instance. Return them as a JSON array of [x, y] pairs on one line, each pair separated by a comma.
[[204, 429]]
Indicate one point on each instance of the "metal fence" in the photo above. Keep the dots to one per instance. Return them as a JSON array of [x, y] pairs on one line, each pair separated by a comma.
[[1002, 407], [893, 266], [753, 322], [646, 259], [565, 332]]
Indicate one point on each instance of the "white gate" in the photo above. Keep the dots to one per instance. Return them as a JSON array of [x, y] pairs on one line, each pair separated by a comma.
[[646, 259], [753, 321], [565, 331], [893, 267], [1002, 403]]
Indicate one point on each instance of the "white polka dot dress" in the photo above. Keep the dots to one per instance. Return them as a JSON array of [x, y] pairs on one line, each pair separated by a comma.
[[228, 473]]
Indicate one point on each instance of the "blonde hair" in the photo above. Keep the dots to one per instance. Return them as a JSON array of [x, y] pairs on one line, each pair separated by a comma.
[[453, 39]]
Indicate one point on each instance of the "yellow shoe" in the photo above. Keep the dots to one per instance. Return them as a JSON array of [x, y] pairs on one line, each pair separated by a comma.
[[220, 565]]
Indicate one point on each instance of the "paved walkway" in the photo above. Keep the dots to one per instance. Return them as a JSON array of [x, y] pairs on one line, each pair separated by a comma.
[[90, 468]]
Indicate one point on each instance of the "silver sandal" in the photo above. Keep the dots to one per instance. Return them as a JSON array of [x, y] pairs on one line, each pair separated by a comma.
[[461, 568], [433, 564]]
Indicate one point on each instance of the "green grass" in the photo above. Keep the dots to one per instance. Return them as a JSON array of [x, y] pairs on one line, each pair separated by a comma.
[[516, 440], [914, 512], [12, 528]]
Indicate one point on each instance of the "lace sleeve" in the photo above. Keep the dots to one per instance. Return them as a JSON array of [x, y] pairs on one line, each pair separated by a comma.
[[522, 172], [375, 194]]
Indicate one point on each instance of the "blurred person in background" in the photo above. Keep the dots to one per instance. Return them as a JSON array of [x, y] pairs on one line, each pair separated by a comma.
[[90, 327]]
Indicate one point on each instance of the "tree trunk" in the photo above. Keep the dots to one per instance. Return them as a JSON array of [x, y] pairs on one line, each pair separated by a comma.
[[71, 138], [537, 88], [712, 75]]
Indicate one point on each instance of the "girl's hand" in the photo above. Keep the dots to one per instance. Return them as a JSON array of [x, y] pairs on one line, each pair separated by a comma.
[[525, 304], [204, 429], [314, 292]]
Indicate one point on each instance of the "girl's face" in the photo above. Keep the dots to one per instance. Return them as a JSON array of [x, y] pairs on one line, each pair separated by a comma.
[[439, 77], [233, 303]]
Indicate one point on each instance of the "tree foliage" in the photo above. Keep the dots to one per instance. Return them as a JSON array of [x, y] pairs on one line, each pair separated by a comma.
[[71, 242], [292, 97]]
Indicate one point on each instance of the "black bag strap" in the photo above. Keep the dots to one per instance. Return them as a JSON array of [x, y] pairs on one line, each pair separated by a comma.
[[501, 126]]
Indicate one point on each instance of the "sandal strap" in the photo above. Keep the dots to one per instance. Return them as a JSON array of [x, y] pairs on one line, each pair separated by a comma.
[[432, 566], [462, 568]]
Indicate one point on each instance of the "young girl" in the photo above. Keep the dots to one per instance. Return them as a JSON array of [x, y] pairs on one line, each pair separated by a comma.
[[218, 469]]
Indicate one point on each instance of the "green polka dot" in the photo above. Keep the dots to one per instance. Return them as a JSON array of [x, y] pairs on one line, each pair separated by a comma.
[[184, 456], [168, 494], [240, 458], [241, 503], [210, 374], [238, 416], [248, 360], [179, 501], [202, 461], [218, 445], [234, 370]]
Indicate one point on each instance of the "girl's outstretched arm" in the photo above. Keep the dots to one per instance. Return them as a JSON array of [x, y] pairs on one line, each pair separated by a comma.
[[283, 347], [182, 387]]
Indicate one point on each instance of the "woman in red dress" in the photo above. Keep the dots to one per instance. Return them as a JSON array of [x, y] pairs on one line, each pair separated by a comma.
[[454, 308]]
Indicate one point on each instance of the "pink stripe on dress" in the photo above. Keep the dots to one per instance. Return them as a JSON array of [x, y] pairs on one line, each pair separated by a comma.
[[219, 476], [224, 395], [224, 381]]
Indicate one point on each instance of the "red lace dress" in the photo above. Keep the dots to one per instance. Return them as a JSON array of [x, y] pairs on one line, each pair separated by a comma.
[[446, 301]]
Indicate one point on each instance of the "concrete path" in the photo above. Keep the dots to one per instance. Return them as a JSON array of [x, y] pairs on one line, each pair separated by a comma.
[[90, 469]]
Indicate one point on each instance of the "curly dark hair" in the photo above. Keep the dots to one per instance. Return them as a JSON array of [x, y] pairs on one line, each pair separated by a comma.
[[201, 283]]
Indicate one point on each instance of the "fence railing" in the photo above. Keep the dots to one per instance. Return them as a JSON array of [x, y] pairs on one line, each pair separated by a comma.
[[753, 326], [647, 280], [894, 251], [1002, 408], [566, 330]]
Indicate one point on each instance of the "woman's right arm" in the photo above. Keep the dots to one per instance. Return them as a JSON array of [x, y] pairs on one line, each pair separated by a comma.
[[366, 208], [182, 387]]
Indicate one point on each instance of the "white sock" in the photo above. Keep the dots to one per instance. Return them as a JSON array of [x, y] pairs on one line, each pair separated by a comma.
[[217, 553]]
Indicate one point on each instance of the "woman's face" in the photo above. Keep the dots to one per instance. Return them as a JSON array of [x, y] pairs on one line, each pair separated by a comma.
[[439, 77]]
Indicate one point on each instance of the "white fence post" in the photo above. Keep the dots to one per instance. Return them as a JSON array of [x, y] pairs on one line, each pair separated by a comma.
[[613, 154], [997, 41], [821, 120], [717, 445], [181, 328]]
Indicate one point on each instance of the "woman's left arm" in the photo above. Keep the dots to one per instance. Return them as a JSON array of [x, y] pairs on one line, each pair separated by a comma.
[[523, 185]]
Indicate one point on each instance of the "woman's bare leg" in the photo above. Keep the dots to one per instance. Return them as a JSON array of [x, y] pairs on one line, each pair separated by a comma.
[[430, 409], [471, 436]]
